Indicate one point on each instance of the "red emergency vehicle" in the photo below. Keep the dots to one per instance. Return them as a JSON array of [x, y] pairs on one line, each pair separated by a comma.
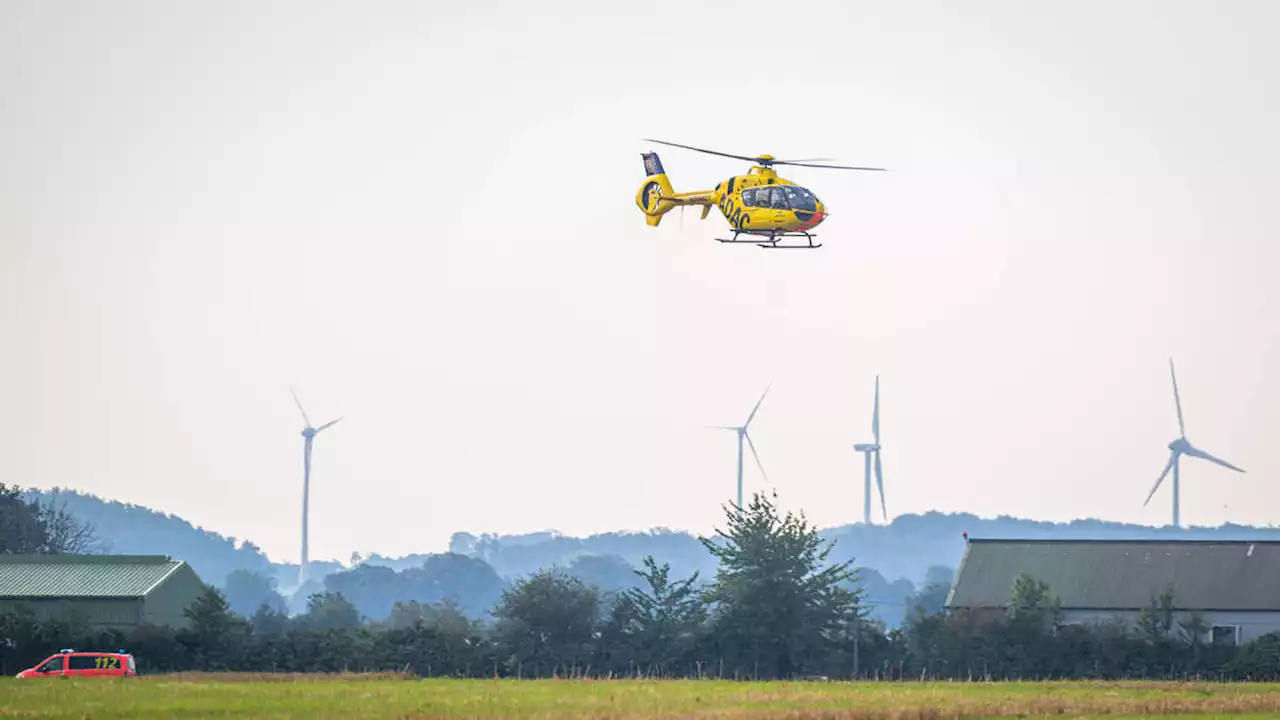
[[70, 663]]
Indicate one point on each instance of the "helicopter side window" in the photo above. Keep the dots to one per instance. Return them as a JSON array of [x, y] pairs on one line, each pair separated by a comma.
[[779, 199], [749, 197]]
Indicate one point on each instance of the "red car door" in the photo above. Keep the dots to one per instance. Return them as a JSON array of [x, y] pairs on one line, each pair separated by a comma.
[[79, 665], [55, 665]]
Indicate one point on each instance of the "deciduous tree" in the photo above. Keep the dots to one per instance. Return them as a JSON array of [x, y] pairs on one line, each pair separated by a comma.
[[778, 608], [663, 620], [547, 623]]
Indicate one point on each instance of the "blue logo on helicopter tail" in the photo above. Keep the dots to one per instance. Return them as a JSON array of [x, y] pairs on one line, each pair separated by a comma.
[[652, 165]]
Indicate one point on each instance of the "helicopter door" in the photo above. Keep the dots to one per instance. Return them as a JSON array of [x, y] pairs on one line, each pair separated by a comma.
[[777, 201]]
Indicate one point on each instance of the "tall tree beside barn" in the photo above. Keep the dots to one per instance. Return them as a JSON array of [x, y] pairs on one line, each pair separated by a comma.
[[778, 608]]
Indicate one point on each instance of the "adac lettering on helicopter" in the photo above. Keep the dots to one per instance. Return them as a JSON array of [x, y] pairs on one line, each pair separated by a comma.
[[736, 216]]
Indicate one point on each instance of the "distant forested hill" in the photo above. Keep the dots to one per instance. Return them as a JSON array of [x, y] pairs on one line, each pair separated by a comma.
[[135, 530], [903, 549], [896, 559]]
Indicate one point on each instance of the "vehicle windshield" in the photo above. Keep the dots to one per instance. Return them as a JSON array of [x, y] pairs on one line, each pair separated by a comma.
[[53, 665], [799, 198]]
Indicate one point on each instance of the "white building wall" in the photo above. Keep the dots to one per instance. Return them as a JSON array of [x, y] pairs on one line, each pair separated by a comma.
[[1251, 624]]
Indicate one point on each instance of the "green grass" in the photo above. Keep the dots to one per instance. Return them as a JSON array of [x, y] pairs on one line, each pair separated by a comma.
[[369, 697]]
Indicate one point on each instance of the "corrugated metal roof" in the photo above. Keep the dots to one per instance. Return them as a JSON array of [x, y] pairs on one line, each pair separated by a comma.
[[32, 576], [1123, 574]]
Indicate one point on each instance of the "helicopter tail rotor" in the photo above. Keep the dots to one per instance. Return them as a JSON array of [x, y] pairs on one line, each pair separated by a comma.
[[654, 195]]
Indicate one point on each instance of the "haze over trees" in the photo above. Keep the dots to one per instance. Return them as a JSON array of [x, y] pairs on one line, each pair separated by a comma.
[[42, 525], [906, 563], [127, 529], [778, 606]]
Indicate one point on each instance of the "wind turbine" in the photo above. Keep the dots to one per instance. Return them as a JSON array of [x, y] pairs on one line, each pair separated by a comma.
[[867, 451], [1177, 449], [308, 436], [741, 430]]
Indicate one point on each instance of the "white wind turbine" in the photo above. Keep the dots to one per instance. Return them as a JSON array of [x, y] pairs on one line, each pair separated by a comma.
[[1179, 447], [308, 436], [867, 451], [741, 430]]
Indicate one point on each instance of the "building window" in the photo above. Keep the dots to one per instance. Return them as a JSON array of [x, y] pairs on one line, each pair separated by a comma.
[[1226, 634]]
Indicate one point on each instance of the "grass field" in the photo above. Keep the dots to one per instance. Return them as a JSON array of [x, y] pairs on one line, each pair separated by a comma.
[[189, 696]]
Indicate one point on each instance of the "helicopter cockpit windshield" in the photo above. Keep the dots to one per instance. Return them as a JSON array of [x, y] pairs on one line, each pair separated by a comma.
[[781, 197]]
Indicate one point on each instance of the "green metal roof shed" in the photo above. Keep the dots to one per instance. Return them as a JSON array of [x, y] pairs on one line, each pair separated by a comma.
[[1212, 575], [100, 590]]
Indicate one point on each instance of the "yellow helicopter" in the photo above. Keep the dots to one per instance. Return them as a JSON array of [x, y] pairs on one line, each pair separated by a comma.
[[764, 207]]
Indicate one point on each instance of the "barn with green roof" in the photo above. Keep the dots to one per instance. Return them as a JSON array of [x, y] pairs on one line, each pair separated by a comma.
[[1232, 585], [112, 591]]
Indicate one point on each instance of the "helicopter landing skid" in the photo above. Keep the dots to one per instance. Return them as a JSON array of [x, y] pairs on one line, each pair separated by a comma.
[[770, 241]]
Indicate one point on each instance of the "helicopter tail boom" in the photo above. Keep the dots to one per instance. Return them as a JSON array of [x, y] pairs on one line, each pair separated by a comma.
[[656, 197]]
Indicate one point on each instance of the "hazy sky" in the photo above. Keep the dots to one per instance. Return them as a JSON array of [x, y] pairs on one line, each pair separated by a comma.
[[421, 216]]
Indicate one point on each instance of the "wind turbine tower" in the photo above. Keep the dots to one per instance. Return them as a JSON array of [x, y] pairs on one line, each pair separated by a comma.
[[308, 436], [1179, 447], [868, 450], [741, 430]]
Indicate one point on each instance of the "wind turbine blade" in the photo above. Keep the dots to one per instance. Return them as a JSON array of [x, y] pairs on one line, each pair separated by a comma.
[[880, 485], [1197, 452], [875, 416], [1177, 399], [757, 407], [298, 402], [331, 423], [1172, 457], [756, 456]]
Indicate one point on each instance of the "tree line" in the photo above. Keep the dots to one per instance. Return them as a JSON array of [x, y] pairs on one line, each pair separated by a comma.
[[894, 558], [777, 607], [42, 526]]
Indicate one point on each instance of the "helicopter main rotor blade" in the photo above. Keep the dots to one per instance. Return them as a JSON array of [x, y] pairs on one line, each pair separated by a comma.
[[701, 150], [829, 167], [766, 161]]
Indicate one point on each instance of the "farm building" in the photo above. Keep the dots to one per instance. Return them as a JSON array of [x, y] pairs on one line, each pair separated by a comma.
[[101, 590], [1233, 585]]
